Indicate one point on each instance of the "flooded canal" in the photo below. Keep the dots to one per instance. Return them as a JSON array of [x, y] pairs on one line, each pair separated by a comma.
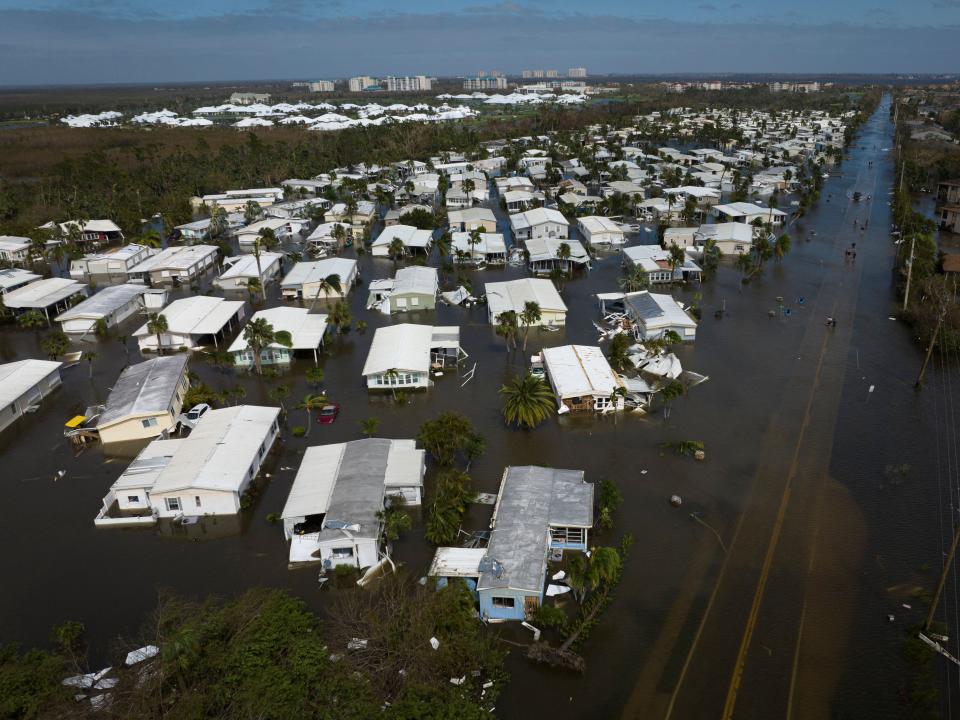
[[799, 422]]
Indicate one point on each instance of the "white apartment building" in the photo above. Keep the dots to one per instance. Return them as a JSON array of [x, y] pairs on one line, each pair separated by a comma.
[[363, 82], [577, 72], [414, 83], [487, 82]]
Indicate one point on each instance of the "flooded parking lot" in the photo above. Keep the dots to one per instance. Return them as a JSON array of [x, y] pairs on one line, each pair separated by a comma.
[[777, 620]]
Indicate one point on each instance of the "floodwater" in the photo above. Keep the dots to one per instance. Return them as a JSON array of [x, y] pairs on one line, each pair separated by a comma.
[[799, 422]]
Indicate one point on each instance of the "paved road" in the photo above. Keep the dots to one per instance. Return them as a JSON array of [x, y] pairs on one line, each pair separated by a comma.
[[760, 639]]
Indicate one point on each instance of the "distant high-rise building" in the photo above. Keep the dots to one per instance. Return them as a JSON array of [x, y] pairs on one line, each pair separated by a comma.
[[316, 85], [485, 82], [577, 72], [552, 73], [415, 83], [363, 82], [496, 73], [532, 73]]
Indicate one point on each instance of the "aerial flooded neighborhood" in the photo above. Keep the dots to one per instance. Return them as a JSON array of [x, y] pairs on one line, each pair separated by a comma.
[[618, 391]]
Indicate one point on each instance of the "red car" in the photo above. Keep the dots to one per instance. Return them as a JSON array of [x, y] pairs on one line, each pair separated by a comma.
[[328, 414]]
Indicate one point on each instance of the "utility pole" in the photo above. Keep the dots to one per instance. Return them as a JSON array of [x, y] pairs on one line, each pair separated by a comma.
[[933, 341], [906, 292], [943, 578]]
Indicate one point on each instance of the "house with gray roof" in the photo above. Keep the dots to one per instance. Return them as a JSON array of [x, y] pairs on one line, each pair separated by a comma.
[[539, 512], [331, 513], [113, 305], [145, 401]]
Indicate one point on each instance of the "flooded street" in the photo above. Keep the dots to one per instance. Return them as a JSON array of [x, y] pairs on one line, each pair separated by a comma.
[[787, 618]]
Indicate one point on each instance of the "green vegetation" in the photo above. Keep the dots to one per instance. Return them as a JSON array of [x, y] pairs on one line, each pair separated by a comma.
[[259, 334], [528, 401], [447, 435], [447, 503], [55, 344]]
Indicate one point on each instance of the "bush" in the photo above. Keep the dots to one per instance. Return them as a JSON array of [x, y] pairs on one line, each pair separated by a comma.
[[298, 430]]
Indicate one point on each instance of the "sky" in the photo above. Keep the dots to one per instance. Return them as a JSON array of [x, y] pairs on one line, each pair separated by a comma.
[[154, 41]]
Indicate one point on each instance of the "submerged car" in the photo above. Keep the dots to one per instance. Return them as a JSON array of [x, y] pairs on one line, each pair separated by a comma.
[[328, 414]]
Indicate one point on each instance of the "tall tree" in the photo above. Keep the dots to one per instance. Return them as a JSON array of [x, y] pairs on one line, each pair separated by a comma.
[[259, 334], [528, 401], [157, 325], [529, 316]]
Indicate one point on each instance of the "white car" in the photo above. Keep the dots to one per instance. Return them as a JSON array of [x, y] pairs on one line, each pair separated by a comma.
[[197, 412]]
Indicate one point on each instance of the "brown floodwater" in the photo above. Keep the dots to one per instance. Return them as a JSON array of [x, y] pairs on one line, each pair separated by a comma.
[[790, 621]]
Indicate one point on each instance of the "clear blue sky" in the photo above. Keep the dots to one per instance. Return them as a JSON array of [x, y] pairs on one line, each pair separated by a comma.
[[85, 41]]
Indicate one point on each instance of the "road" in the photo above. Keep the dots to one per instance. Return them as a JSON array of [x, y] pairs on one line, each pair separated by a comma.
[[760, 644]]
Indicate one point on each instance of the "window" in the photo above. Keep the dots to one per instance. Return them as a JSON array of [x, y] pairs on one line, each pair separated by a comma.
[[133, 498], [149, 422], [172, 503], [567, 536], [503, 602], [342, 553], [414, 301], [401, 302], [196, 499]]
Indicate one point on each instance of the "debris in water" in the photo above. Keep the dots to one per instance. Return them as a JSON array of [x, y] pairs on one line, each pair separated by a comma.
[[434, 643], [59, 474], [676, 500], [459, 680], [908, 607]]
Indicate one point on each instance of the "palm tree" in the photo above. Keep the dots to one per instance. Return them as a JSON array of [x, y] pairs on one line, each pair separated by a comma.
[[90, 356], [528, 401], [340, 316], [259, 334], [529, 316], [619, 357], [396, 250], [474, 239], [670, 392], [394, 521], [781, 247], [677, 257], [31, 319], [254, 288], [392, 374], [278, 395], [157, 325], [634, 279], [329, 285], [586, 574], [563, 255], [309, 404], [711, 255], [267, 240], [507, 327], [239, 392], [443, 250], [369, 426]]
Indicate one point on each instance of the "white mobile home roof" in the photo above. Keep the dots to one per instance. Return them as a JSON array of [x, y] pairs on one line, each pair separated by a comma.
[[245, 266], [490, 243], [599, 224], [513, 294], [13, 277], [18, 377], [456, 562], [197, 315], [579, 370], [305, 330], [43, 293], [103, 303], [408, 235], [416, 280], [322, 465], [536, 216], [144, 388], [219, 451], [657, 310], [310, 272], [401, 347], [175, 258]]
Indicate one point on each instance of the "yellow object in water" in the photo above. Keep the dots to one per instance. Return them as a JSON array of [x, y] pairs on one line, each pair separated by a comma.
[[76, 421]]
